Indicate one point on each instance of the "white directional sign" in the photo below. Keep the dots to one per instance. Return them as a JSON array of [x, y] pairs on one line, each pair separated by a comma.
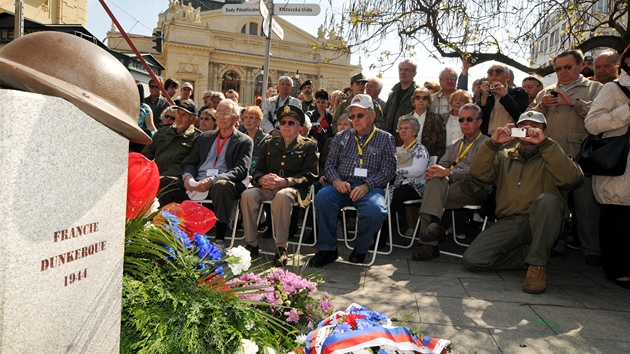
[[296, 9], [278, 9]]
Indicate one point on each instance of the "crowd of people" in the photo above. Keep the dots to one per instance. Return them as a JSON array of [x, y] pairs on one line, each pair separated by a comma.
[[507, 148]]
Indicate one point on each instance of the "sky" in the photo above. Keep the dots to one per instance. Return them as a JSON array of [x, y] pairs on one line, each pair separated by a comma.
[[141, 16]]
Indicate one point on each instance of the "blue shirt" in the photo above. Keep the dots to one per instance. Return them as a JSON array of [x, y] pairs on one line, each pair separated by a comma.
[[379, 158]]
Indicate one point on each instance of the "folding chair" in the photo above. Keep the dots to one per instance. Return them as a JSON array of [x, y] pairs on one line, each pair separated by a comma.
[[309, 208], [378, 235], [483, 227], [235, 211], [407, 203]]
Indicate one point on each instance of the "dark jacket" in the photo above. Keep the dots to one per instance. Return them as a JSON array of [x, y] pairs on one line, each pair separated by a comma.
[[238, 157], [515, 103], [393, 109], [169, 149]]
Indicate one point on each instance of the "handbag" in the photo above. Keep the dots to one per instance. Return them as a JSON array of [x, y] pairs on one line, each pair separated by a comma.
[[403, 157], [605, 156]]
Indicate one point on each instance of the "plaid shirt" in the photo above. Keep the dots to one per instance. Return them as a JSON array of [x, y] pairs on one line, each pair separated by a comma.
[[379, 158]]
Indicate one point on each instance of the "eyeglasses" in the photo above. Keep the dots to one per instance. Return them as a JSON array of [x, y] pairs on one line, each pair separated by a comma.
[[289, 122], [467, 119], [358, 115], [428, 87], [169, 117], [424, 98], [451, 79], [153, 86], [566, 67], [495, 71]]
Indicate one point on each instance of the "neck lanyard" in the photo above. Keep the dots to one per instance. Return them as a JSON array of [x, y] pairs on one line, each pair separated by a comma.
[[463, 153], [361, 147], [220, 147], [410, 144]]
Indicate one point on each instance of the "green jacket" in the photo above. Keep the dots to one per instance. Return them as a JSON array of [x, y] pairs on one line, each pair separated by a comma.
[[169, 149], [392, 110], [519, 182], [296, 162]]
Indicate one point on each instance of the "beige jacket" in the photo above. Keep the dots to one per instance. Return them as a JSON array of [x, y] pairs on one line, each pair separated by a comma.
[[610, 114], [565, 124]]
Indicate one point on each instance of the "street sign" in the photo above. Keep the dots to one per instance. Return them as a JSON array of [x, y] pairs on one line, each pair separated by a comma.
[[275, 27], [296, 9], [240, 9]]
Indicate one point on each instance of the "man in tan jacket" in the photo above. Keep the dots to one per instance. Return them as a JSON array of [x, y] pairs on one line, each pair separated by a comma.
[[565, 105]]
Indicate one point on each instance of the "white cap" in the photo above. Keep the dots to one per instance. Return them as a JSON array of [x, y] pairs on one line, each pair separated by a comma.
[[532, 116], [361, 100]]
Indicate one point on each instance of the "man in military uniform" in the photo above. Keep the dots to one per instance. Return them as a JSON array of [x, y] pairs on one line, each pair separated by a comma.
[[286, 168]]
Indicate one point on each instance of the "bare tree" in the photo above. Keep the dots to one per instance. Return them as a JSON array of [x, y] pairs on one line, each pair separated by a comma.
[[482, 30]]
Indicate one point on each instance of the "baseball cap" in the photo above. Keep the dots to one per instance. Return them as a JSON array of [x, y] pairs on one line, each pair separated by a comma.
[[188, 106], [291, 110], [532, 116], [187, 84], [361, 100], [358, 78]]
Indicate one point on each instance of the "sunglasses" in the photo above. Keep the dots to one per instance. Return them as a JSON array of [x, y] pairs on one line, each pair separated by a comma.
[[467, 119], [428, 87], [169, 117], [566, 67], [358, 115], [289, 122], [424, 98], [153, 86], [495, 71]]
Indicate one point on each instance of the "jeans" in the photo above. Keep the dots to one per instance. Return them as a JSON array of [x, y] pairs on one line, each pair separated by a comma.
[[371, 212]]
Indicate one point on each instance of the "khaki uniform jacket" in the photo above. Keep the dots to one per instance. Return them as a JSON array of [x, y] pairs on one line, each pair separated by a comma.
[[296, 162], [169, 149], [610, 115], [519, 182], [565, 124]]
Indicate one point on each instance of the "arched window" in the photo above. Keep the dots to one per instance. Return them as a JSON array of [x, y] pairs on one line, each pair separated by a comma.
[[231, 81], [252, 29], [296, 87]]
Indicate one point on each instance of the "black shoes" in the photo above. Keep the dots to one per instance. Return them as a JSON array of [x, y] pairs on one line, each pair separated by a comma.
[[281, 258], [253, 250], [322, 258], [356, 257], [426, 253]]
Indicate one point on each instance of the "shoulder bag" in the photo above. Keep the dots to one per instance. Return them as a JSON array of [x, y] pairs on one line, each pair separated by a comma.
[[605, 156]]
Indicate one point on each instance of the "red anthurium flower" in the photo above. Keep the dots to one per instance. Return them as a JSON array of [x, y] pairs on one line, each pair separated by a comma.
[[143, 182]]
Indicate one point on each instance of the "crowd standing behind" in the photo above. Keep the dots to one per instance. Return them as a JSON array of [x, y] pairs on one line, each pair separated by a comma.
[[351, 134]]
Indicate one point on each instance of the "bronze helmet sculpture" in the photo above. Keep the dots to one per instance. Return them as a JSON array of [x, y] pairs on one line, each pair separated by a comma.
[[66, 66]]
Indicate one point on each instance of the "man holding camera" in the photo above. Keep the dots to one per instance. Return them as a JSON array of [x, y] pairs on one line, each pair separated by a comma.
[[531, 180], [501, 104], [565, 104]]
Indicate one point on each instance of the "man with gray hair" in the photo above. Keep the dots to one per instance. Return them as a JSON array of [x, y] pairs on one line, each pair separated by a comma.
[[373, 88], [501, 103], [270, 123], [399, 100], [440, 100], [606, 67], [450, 184]]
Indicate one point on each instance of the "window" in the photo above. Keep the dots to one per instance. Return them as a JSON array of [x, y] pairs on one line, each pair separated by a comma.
[[252, 29], [231, 81], [258, 87]]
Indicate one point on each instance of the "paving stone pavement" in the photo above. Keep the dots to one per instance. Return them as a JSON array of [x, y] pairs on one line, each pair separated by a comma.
[[581, 312]]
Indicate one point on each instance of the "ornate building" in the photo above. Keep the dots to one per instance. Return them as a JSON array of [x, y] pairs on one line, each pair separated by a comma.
[[218, 52]]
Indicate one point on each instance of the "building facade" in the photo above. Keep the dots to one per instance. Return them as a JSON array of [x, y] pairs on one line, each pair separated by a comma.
[[218, 52]]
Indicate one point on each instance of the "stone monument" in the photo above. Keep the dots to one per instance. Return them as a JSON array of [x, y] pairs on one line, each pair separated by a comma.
[[63, 193]]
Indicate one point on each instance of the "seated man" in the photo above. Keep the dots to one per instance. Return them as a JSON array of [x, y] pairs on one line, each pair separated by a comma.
[[286, 168], [531, 180], [172, 143], [449, 182], [362, 160], [217, 168]]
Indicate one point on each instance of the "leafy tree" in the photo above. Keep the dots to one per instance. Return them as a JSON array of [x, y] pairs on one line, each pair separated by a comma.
[[484, 30]]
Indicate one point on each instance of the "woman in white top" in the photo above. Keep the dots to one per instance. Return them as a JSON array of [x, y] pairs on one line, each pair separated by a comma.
[[457, 100]]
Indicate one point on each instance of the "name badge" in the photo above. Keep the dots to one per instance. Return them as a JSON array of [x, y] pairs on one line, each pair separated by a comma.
[[360, 172], [211, 172]]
